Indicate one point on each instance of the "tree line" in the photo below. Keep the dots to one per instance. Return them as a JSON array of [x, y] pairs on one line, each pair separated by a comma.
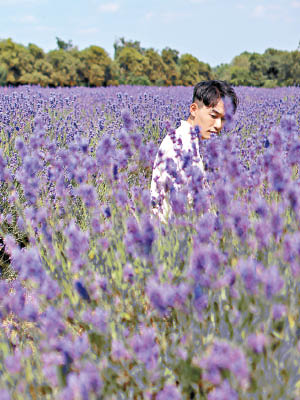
[[134, 65]]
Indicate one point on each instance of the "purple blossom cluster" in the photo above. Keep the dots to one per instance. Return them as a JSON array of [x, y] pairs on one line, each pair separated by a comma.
[[101, 298]]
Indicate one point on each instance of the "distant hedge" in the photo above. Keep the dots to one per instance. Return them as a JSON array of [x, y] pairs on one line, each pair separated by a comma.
[[135, 65]]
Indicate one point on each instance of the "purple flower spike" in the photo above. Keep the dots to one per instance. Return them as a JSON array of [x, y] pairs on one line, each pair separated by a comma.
[[273, 281], [83, 293], [257, 342], [128, 123], [13, 363], [279, 311], [223, 392], [169, 392], [88, 194]]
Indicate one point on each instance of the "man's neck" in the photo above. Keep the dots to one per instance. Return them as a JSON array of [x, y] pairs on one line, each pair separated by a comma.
[[189, 121]]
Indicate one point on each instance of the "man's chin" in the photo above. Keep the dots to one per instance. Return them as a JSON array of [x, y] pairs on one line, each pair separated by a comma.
[[205, 135]]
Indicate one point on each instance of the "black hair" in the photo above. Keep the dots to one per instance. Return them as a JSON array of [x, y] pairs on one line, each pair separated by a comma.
[[210, 92]]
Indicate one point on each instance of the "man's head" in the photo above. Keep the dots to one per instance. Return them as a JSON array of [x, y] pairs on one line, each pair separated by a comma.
[[207, 110]]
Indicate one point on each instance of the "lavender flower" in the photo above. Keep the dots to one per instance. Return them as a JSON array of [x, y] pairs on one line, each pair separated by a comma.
[[88, 195], [257, 342], [278, 311], [98, 319], [273, 281], [82, 291], [223, 392], [4, 394], [249, 273], [145, 347], [224, 356], [119, 352], [13, 363], [161, 296], [128, 123], [169, 392]]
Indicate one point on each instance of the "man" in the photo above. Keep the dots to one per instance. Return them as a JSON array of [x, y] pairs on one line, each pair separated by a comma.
[[180, 148]]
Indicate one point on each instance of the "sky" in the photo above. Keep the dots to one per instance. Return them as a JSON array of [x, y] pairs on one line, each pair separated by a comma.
[[214, 31]]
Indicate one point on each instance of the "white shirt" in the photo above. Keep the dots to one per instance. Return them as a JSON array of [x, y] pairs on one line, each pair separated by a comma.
[[168, 169]]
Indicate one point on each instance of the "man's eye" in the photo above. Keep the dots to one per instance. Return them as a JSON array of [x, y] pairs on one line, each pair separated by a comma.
[[214, 116], [223, 119]]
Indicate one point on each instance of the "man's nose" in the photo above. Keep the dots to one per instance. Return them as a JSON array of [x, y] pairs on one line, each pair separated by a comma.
[[218, 124]]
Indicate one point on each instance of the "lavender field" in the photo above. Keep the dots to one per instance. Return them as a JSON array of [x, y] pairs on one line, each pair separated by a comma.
[[99, 298]]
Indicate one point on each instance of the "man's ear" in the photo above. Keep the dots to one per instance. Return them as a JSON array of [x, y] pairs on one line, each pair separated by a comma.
[[193, 109]]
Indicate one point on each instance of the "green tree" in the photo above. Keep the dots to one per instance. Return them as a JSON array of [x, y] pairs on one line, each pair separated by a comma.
[[171, 57], [273, 60], [257, 70], [295, 69], [62, 45], [3, 75], [192, 70], [42, 70], [132, 64], [36, 51], [97, 68], [239, 76], [35, 78], [142, 80], [121, 43], [239, 71], [242, 61], [155, 67], [64, 66], [222, 72], [17, 60]]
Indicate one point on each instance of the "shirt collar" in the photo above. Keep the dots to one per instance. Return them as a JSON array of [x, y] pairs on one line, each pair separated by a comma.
[[184, 130], [185, 123]]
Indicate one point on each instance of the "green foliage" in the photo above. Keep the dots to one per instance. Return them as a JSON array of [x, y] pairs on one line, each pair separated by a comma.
[[136, 65], [95, 66], [138, 80], [170, 55], [132, 63], [3, 75], [121, 43], [62, 45], [192, 70], [170, 58], [155, 67], [271, 69], [65, 66], [36, 51], [17, 60]]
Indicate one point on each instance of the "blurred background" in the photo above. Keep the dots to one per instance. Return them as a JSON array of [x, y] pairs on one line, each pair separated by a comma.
[[162, 43]]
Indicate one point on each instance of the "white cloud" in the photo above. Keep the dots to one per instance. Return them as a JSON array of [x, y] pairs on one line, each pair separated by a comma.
[[273, 11], [295, 4], [109, 7]]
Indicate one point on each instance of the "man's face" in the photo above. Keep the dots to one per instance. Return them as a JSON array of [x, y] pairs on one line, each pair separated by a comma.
[[209, 119]]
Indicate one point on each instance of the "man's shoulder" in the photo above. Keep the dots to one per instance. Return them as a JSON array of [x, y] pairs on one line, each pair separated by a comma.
[[183, 132], [184, 127], [181, 139], [166, 144]]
